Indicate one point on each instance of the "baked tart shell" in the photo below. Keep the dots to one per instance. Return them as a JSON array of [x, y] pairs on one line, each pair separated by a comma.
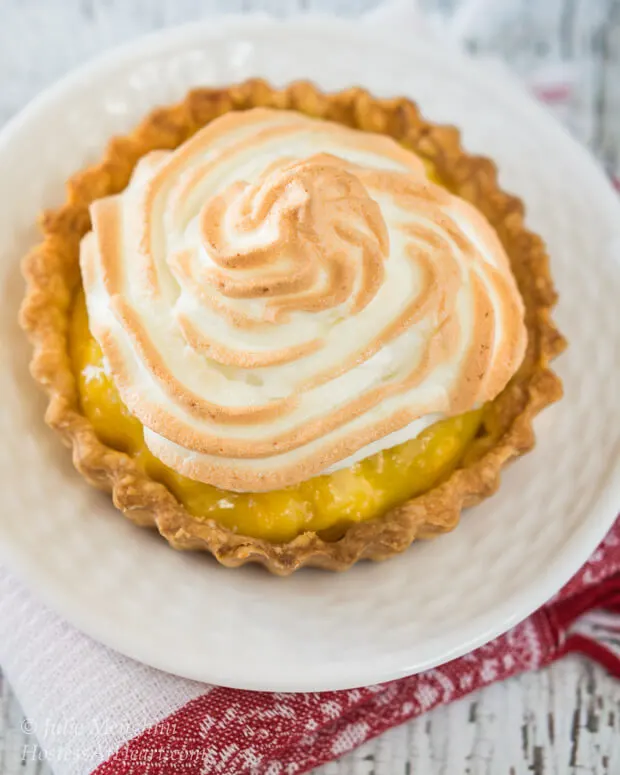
[[52, 274]]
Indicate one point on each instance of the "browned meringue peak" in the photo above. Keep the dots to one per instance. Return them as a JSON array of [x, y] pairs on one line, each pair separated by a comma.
[[281, 295]]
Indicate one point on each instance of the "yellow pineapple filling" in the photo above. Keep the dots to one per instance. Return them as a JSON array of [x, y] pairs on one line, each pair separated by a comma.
[[326, 504]]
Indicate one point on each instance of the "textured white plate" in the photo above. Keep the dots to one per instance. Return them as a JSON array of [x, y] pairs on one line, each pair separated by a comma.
[[317, 630]]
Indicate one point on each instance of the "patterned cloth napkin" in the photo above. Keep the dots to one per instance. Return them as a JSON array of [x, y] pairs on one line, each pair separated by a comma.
[[90, 709], [258, 732]]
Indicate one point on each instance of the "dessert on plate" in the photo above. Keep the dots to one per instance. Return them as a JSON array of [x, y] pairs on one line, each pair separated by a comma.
[[291, 327]]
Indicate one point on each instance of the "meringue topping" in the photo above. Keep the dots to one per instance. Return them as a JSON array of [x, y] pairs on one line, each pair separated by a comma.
[[281, 296]]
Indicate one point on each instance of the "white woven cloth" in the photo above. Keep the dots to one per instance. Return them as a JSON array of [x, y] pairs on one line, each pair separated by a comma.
[[82, 700]]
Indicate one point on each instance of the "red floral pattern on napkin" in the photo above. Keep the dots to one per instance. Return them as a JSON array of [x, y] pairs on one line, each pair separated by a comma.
[[258, 733]]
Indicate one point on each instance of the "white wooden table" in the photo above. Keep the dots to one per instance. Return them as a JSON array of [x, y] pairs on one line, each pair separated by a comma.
[[561, 721]]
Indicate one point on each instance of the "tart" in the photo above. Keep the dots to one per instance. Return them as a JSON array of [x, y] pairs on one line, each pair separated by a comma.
[[290, 327]]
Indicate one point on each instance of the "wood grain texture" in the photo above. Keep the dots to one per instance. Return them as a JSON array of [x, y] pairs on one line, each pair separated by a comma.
[[561, 721]]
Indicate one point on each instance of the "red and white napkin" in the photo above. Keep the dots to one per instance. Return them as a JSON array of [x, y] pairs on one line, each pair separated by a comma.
[[90, 709]]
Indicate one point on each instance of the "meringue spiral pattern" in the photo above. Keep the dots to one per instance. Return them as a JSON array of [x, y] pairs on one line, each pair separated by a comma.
[[281, 296]]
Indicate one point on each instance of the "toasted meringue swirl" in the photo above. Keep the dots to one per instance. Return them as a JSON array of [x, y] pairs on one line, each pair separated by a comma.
[[281, 296]]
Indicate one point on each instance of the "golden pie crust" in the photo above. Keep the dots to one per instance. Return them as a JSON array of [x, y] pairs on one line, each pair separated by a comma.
[[52, 274]]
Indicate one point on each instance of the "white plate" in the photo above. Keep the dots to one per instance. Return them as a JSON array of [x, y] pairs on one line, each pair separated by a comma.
[[317, 630]]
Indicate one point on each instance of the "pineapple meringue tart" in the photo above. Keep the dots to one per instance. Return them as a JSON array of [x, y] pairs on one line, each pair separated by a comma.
[[291, 327]]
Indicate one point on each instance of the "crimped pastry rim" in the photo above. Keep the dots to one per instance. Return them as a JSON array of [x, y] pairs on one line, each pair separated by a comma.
[[52, 273]]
